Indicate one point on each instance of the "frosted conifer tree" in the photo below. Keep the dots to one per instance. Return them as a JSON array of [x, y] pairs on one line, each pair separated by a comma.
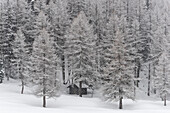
[[44, 79], [162, 71], [108, 41], [58, 23], [80, 44], [119, 74], [21, 58], [8, 37], [162, 77], [75, 7]]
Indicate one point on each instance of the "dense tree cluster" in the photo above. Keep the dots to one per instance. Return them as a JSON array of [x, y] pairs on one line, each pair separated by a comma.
[[118, 45]]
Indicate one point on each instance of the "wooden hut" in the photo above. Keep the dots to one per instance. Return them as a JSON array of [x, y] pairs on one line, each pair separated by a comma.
[[74, 89]]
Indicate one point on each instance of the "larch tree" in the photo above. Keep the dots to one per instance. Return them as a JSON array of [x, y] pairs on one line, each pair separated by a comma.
[[58, 20], [8, 37], [162, 71], [80, 42], [21, 59], [119, 82], [1, 47], [44, 61], [108, 41], [162, 77]]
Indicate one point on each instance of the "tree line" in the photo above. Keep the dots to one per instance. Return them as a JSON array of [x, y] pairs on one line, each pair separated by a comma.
[[117, 45]]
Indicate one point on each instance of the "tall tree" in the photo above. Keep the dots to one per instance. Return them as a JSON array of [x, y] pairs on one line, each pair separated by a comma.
[[162, 77], [58, 24], [119, 76], [44, 61], [21, 59], [80, 44], [8, 37]]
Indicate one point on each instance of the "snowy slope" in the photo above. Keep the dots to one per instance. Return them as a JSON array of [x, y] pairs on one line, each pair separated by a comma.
[[11, 101]]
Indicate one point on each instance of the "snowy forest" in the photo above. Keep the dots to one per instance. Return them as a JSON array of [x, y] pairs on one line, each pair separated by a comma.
[[119, 49]]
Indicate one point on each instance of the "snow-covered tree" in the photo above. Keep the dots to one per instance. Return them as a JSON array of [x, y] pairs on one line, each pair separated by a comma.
[[44, 79], [8, 37], [1, 35], [74, 7], [119, 76], [80, 42], [1, 71], [162, 77], [107, 42], [21, 59], [58, 24]]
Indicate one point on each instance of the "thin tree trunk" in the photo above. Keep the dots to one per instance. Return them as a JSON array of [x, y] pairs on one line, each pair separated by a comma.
[[44, 93], [22, 90], [80, 88], [138, 73], [0, 80], [164, 81], [7, 71], [63, 69], [121, 99], [154, 74], [149, 79], [44, 85], [121, 103], [165, 100], [22, 78], [44, 101]]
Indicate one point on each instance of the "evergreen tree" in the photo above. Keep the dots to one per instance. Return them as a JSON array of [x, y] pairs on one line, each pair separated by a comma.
[[44, 61], [75, 7], [119, 74], [80, 44], [162, 77], [58, 24], [30, 29], [21, 59], [8, 38], [1, 71]]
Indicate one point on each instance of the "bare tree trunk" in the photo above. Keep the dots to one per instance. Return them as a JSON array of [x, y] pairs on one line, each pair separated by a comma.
[[164, 71], [121, 103], [63, 69], [44, 101], [44, 85], [138, 73], [154, 74], [7, 70], [80, 88], [22, 78], [1, 80], [165, 100], [22, 90], [120, 99], [149, 79], [44, 93]]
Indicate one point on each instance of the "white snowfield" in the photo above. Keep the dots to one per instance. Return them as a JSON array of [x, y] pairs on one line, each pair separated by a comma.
[[11, 101]]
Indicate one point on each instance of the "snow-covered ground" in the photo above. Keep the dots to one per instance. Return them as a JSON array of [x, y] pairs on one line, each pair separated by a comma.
[[11, 101]]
